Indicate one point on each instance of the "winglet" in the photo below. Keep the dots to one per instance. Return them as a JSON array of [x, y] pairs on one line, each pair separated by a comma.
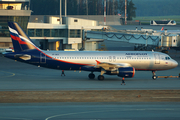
[[98, 62], [162, 28]]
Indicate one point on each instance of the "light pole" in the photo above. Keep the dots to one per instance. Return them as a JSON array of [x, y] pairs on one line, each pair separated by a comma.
[[104, 12], [125, 12], [60, 14], [65, 8]]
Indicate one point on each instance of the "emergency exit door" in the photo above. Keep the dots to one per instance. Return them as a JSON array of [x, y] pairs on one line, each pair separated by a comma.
[[42, 58], [157, 58]]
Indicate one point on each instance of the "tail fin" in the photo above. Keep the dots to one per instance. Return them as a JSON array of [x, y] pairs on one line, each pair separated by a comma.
[[20, 40]]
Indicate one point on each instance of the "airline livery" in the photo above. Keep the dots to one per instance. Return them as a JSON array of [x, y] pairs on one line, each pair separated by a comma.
[[120, 63]]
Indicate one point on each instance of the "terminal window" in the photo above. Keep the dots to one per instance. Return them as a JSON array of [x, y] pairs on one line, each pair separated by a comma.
[[38, 32], [75, 33], [31, 32], [46, 32]]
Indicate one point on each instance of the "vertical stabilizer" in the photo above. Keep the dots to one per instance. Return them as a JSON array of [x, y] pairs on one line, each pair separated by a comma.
[[20, 40]]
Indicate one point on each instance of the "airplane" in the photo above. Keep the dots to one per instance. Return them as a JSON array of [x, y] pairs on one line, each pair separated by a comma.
[[168, 32], [120, 63]]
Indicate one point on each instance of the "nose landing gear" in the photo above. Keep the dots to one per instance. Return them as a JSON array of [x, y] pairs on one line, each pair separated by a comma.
[[154, 77]]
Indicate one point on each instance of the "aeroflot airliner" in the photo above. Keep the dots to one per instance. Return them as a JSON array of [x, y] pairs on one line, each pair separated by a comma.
[[120, 63]]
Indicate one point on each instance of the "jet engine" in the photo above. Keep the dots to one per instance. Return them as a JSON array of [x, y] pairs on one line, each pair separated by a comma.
[[127, 72]]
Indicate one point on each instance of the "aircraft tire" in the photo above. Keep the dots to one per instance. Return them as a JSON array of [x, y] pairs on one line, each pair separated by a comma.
[[100, 77], [91, 76], [154, 77]]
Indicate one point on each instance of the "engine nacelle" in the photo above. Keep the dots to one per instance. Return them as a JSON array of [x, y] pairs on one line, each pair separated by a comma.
[[126, 72]]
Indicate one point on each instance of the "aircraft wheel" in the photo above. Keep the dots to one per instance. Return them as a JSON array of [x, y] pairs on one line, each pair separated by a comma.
[[91, 76], [101, 77], [154, 77]]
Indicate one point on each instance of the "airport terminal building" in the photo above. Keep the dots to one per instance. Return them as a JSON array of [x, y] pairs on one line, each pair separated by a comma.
[[49, 33], [12, 10]]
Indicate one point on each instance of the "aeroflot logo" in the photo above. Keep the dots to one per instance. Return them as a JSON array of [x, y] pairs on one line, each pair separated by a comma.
[[136, 53]]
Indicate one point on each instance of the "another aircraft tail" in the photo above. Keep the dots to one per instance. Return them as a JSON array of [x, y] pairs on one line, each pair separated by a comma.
[[21, 42]]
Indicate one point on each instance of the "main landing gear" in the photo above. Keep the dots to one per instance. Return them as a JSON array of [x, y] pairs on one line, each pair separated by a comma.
[[154, 75], [91, 75], [100, 77]]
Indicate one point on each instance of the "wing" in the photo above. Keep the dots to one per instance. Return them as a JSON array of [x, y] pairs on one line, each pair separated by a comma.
[[111, 66]]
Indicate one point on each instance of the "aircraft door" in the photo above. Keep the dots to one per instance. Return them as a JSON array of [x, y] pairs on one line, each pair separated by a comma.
[[42, 58], [157, 58]]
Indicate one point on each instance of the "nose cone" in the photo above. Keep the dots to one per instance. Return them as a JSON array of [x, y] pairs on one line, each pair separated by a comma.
[[174, 64]]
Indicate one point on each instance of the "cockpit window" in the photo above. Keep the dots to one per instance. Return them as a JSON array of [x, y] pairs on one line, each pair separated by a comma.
[[167, 58]]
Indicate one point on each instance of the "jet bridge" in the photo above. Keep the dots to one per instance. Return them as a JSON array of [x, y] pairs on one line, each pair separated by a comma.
[[141, 39]]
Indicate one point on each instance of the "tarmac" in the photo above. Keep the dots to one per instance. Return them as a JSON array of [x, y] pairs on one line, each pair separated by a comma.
[[90, 111]]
